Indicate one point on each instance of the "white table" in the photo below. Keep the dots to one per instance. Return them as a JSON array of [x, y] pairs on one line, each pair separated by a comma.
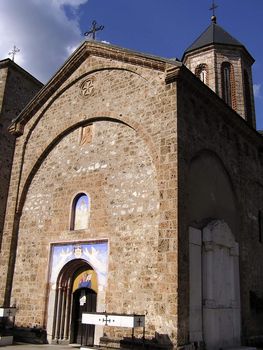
[[115, 320], [7, 311]]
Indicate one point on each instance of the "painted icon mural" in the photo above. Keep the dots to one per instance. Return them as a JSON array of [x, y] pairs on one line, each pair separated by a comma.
[[86, 279], [81, 212], [96, 255]]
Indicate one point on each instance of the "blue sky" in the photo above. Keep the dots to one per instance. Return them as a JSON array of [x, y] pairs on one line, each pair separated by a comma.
[[47, 31]]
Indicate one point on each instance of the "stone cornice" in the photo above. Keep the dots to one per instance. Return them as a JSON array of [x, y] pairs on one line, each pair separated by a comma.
[[16, 129], [172, 74]]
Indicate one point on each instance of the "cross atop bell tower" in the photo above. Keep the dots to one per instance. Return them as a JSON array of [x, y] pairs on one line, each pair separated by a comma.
[[213, 8]]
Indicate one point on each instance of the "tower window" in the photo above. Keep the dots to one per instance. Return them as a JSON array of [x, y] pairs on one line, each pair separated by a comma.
[[260, 226], [80, 212], [247, 98], [201, 72], [228, 84]]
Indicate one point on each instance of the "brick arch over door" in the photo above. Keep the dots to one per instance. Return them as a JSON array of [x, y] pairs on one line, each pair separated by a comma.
[[61, 298]]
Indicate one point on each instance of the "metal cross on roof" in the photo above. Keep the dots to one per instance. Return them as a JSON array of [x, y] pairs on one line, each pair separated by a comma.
[[93, 30], [13, 52], [213, 7]]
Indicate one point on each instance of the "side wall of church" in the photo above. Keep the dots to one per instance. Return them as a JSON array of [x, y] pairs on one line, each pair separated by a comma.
[[129, 169], [206, 127], [16, 89]]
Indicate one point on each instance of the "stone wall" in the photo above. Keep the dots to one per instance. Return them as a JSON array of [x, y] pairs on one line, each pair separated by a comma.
[[17, 87]]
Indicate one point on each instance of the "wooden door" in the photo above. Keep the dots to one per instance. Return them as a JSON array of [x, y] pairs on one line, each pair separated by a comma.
[[84, 300]]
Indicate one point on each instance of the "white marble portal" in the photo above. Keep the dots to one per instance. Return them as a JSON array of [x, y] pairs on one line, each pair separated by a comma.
[[195, 262], [214, 286]]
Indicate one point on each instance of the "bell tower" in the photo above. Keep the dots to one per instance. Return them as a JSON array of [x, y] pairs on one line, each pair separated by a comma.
[[224, 64]]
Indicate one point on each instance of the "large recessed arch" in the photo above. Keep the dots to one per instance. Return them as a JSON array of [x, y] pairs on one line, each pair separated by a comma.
[[211, 194], [57, 232], [124, 121]]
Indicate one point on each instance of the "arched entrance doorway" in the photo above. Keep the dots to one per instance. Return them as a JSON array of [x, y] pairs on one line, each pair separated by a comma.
[[76, 292]]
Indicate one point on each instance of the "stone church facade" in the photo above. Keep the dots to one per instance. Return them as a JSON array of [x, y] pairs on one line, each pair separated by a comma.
[[136, 188]]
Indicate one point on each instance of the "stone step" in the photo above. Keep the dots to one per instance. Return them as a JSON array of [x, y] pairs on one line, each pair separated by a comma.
[[6, 340]]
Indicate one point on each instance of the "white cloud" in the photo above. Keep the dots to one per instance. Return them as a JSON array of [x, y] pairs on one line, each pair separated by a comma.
[[42, 31], [257, 92], [73, 3]]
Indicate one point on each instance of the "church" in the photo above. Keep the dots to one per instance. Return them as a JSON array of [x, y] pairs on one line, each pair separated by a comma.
[[132, 184]]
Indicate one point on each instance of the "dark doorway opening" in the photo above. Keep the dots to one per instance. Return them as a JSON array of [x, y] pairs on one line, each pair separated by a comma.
[[74, 295], [84, 300]]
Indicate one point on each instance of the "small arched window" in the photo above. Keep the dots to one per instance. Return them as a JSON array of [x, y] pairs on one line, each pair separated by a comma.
[[201, 72], [228, 84], [248, 105], [80, 212]]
